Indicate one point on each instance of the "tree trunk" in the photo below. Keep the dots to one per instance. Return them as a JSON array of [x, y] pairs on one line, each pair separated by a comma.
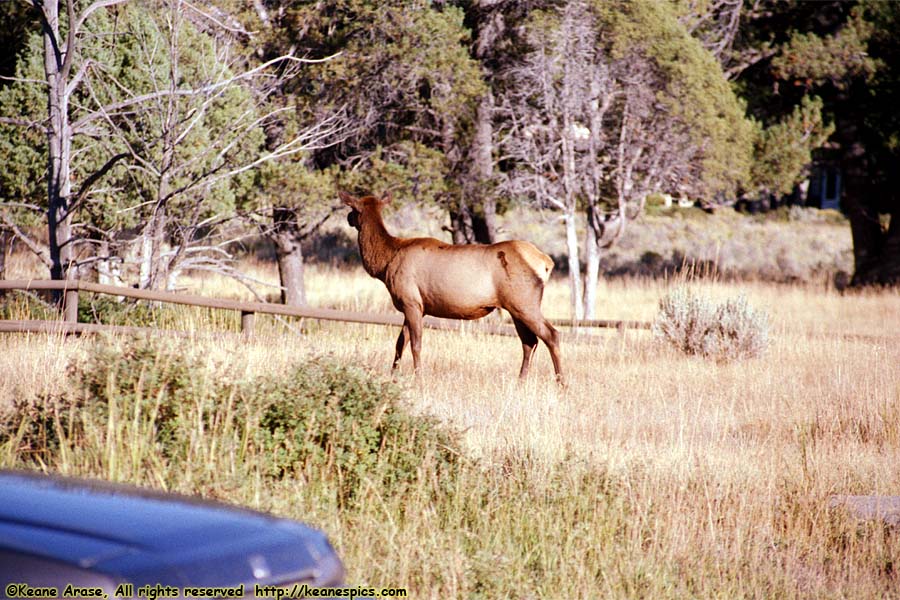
[[107, 272], [574, 267], [289, 254], [595, 228], [890, 254], [484, 222], [569, 177], [591, 267], [146, 261], [461, 228], [484, 226], [6, 238], [868, 239], [876, 251], [172, 279], [152, 270], [290, 269], [158, 270], [59, 141], [468, 222]]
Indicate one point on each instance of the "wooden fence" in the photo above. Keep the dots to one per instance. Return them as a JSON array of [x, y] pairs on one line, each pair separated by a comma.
[[248, 310]]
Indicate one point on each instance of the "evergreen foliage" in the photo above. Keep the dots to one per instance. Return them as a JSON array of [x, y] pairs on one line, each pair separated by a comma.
[[710, 100], [783, 151]]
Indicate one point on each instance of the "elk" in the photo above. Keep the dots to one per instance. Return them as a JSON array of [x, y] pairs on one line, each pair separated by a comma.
[[426, 276]]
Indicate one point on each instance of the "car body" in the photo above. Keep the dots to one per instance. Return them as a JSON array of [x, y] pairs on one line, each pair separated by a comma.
[[58, 531]]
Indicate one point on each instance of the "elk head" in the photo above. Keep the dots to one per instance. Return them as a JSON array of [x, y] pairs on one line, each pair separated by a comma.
[[358, 205]]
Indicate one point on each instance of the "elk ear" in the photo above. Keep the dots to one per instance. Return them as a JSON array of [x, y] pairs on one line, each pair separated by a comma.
[[386, 198], [349, 200]]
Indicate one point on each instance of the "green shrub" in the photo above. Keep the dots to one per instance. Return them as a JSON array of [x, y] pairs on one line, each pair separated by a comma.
[[730, 331], [111, 311], [146, 381], [326, 416], [31, 431], [154, 411]]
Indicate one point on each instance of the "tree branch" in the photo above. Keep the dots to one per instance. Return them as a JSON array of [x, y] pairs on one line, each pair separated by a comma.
[[24, 80], [22, 123], [69, 57], [79, 75], [321, 135], [168, 93], [94, 7], [33, 207], [40, 252], [229, 28], [94, 177]]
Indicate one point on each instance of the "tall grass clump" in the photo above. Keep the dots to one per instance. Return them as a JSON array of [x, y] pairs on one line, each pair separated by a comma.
[[144, 411], [729, 331], [156, 413], [20, 305]]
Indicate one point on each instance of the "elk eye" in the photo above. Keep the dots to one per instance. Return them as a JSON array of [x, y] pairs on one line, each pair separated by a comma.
[[353, 219]]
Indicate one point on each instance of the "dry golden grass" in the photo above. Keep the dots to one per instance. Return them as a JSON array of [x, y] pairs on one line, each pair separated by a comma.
[[725, 461], [829, 352], [724, 470]]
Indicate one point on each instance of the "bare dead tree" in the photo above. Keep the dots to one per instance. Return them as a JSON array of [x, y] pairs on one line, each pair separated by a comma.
[[714, 23], [589, 131], [116, 117], [720, 27], [60, 53], [558, 97]]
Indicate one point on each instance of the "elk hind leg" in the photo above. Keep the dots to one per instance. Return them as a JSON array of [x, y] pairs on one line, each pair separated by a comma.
[[529, 344], [402, 341], [550, 336], [542, 328]]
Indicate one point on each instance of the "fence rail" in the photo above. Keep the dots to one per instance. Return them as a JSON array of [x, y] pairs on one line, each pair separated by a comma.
[[64, 327], [248, 310]]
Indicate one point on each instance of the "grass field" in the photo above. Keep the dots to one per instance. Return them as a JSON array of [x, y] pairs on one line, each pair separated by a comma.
[[651, 475]]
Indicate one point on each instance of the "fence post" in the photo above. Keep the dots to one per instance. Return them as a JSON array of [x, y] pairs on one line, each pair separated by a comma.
[[70, 304], [247, 319]]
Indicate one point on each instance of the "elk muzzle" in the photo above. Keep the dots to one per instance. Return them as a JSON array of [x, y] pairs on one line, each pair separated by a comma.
[[353, 219]]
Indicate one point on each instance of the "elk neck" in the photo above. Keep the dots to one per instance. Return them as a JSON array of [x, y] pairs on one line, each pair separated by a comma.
[[376, 246]]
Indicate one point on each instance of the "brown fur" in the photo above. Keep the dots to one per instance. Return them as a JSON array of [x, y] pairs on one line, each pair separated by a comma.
[[425, 276]]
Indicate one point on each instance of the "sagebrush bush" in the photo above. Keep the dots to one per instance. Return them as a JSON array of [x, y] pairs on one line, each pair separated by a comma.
[[732, 330]]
